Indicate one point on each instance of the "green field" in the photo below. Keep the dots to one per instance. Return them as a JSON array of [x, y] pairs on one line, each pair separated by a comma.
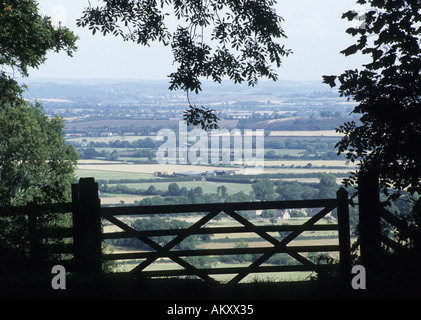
[[111, 175], [128, 167], [207, 186], [223, 278], [108, 138]]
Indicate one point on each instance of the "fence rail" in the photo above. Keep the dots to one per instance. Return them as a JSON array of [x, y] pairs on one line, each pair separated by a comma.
[[87, 235], [208, 213]]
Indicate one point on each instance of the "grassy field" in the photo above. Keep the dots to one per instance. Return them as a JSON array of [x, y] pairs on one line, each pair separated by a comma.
[[207, 186], [125, 168], [223, 278], [219, 241], [107, 139], [117, 170], [291, 166], [99, 174]]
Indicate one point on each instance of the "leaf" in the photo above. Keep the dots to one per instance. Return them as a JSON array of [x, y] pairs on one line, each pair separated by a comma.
[[330, 80], [351, 50], [350, 15], [202, 117]]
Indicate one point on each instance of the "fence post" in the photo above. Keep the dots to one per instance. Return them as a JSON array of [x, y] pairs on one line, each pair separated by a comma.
[[344, 235], [34, 242], [369, 222], [87, 228]]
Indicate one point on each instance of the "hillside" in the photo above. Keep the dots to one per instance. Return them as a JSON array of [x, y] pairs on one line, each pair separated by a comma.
[[301, 123]]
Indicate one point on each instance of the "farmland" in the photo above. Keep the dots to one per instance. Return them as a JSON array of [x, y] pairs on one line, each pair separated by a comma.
[[128, 181], [144, 170], [113, 127], [293, 163]]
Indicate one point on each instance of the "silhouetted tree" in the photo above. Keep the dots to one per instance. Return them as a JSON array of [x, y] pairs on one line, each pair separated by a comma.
[[387, 91]]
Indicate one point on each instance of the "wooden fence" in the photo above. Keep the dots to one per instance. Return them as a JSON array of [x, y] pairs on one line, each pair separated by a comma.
[[83, 247], [373, 218], [232, 210], [43, 242]]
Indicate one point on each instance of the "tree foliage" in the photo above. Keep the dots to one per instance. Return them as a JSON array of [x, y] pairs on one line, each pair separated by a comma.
[[243, 31], [36, 166], [26, 36], [213, 39], [264, 190], [34, 159], [388, 94]]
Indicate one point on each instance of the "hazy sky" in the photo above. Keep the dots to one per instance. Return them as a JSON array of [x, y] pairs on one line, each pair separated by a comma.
[[315, 30]]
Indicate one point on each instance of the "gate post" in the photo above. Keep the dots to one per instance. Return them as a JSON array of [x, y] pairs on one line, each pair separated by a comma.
[[35, 258], [87, 228], [369, 222], [344, 235]]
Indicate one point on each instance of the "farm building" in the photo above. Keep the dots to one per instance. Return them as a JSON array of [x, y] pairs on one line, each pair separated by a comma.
[[283, 214], [225, 172]]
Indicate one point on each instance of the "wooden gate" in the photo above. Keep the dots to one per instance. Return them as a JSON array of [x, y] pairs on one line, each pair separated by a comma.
[[210, 211], [84, 245]]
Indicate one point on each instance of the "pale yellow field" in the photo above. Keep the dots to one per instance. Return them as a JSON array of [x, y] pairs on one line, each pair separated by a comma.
[[98, 162], [117, 200], [303, 163], [147, 168], [99, 165], [315, 133], [108, 138]]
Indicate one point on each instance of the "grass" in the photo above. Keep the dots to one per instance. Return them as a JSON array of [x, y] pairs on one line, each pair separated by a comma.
[[306, 133], [121, 170], [222, 278], [290, 152], [108, 138], [219, 241], [207, 186], [99, 174]]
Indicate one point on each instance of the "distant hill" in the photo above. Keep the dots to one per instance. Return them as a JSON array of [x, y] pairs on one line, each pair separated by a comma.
[[300, 123], [119, 123]]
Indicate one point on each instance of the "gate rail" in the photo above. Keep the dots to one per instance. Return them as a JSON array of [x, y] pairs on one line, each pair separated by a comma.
[[231, 209]]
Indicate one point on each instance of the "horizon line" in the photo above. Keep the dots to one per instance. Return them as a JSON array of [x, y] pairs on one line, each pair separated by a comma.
[[107, 79]]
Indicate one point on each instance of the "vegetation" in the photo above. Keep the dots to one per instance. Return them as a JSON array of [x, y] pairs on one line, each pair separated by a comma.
[[34, 157], [388, 93], [262, 189], [143, 150], [382, 135], [36, 165]]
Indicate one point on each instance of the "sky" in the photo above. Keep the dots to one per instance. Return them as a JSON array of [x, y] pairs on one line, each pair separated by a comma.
[[315, 30]]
